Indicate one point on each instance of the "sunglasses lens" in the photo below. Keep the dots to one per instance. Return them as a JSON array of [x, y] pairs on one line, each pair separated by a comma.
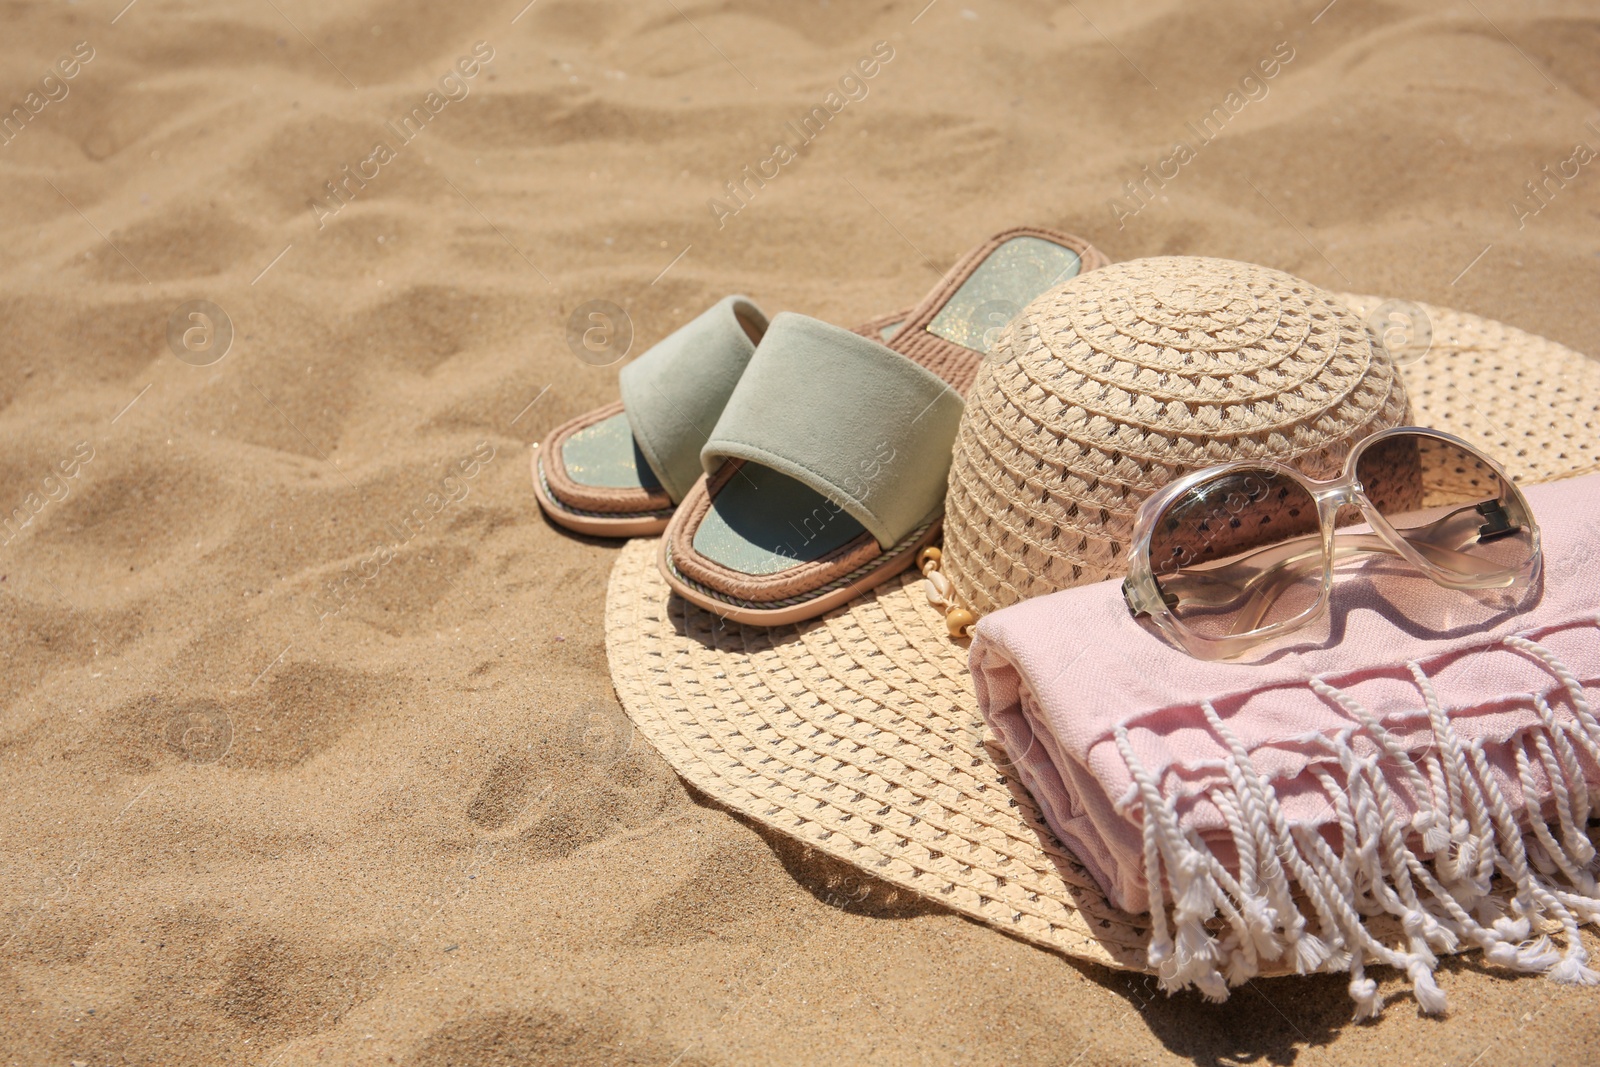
[[1448, 503], [1238, 553]]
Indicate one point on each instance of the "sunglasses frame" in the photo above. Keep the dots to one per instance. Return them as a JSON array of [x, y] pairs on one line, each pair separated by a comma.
[[1142, 591]]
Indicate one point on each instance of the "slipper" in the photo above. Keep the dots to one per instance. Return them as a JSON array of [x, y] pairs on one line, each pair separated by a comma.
[[826, 471], [620, 470]]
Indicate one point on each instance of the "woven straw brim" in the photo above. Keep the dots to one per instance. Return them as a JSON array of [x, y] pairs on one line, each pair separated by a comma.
[[859, 733], [1526, 401]]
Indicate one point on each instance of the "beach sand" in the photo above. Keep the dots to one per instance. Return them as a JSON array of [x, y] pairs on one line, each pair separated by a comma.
[[308, 749]]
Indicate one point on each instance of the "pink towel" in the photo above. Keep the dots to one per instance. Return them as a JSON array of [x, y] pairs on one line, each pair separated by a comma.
[[1422, 741]]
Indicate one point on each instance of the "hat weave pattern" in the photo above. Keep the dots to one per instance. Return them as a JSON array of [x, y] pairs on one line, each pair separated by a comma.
[[845, 734], [1528, 401], [1114, 384]]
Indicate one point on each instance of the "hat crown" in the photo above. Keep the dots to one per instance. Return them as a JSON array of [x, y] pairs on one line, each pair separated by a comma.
[[1108, 387]]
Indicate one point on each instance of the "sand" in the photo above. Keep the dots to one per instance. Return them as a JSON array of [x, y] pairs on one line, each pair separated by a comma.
[[307, 744]]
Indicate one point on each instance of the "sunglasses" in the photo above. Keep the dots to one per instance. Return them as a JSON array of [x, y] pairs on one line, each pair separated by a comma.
[[1233, 556]]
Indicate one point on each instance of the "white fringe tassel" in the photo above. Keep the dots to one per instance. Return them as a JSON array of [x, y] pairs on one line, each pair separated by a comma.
[[1467, 831]]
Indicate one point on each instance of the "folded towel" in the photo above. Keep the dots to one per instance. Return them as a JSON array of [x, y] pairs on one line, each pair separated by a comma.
[[1423, 742]]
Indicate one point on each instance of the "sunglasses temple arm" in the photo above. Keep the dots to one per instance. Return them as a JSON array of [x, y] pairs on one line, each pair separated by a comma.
[[1259, 577], [1345, 545], [1264, 574]]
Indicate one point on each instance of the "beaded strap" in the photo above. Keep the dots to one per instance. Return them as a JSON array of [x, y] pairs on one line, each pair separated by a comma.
[[941, 594]]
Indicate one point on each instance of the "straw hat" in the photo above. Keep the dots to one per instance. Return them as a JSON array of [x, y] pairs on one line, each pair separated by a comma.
[[859, 734], [1102, 393]]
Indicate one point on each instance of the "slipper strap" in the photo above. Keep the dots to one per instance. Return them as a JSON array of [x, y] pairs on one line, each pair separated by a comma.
[[674, 392], [857, 422]]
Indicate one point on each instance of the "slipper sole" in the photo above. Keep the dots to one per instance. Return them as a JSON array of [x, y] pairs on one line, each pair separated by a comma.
[[806, 605], [593, 523]]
